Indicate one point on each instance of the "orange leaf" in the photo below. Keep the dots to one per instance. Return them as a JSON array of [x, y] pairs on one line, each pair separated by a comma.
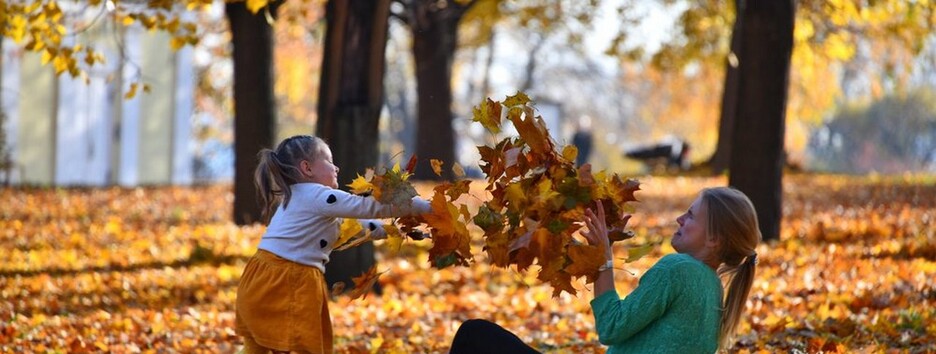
[[364, 283], [532, 129], [436, 166], [585, 261]]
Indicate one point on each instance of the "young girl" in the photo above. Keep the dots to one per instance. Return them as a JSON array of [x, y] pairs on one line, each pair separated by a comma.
[[282, 297], [678, 305]]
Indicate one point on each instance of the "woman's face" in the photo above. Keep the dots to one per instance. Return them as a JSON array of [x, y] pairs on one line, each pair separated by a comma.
[[323, 170], [691, 238]]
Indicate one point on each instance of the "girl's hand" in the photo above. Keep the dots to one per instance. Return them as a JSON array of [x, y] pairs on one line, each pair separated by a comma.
[[597, 234]]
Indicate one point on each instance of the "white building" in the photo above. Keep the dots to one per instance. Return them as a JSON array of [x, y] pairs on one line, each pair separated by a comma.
[[66, 132]]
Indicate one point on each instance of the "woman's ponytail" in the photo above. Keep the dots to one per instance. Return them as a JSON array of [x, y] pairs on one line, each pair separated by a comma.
[[738, 290], [733, 220]]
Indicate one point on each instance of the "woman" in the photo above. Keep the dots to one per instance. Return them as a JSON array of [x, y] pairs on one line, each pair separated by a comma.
[[678, 305]]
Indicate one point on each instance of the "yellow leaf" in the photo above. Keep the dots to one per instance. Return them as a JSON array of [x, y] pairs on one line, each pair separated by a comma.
[[516, 100], [60, 64], [132, 91], [100, 345], [360, 185], [569, 152], [635, 253], [17, 28], [516, 195], [176, 43], [375, 344], [46, 57], [545, 194], [349, 228], [839, 47], [488, 113], [436, 166], [255, 5], [394, 237]]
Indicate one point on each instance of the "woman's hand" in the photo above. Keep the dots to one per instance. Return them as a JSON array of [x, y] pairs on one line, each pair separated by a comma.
[[597, 234]]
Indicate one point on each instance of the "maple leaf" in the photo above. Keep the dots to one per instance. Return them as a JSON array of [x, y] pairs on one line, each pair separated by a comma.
[[349, 229], [546, 197], [394, 237], [562, 282], [488, 113], [360, 185], [364, 283], [450, 235], [354, 242], [542, 196], [458, 189], [518, 99], [489, 220], [569, 152], [532, 129], [585, 261], [516, 195]]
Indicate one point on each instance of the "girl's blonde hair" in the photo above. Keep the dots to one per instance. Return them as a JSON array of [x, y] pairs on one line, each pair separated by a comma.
[[278, 169], [733, 220]]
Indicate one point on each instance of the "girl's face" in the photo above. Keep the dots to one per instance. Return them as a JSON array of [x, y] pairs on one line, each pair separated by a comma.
[[322, 170], [692, 236]]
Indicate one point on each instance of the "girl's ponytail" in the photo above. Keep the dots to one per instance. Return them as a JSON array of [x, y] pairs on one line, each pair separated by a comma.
[[271, 186], [277, 170]]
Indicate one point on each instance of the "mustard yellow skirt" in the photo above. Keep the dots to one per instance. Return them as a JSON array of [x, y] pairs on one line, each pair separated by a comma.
[[283, 305]]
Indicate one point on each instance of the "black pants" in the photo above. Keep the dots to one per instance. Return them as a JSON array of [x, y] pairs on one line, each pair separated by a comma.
[[480, 336]]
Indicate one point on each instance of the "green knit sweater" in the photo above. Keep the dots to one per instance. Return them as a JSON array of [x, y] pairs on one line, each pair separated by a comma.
[[676, 308]]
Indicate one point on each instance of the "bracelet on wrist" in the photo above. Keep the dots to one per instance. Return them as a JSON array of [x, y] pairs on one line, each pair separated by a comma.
[[607, 265]]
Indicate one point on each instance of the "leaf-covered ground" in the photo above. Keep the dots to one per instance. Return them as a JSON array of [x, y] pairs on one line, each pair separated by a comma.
[[156, 269]]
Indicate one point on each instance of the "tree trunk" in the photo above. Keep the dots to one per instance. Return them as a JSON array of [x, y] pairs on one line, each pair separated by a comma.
[[350, 98], [757, 156], [435, 37], [722, 156], [530, 68], [254, 104]]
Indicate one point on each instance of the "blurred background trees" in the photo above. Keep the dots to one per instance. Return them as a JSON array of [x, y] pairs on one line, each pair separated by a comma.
[[400, 76]]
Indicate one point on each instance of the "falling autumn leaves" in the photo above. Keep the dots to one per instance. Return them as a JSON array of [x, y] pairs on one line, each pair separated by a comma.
[[537, 205]]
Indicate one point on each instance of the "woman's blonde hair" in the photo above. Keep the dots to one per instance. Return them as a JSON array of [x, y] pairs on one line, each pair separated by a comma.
[[733, 220], [278, 169]]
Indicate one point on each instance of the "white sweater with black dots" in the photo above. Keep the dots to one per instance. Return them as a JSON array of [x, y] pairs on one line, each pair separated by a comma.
[[306, 230]]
